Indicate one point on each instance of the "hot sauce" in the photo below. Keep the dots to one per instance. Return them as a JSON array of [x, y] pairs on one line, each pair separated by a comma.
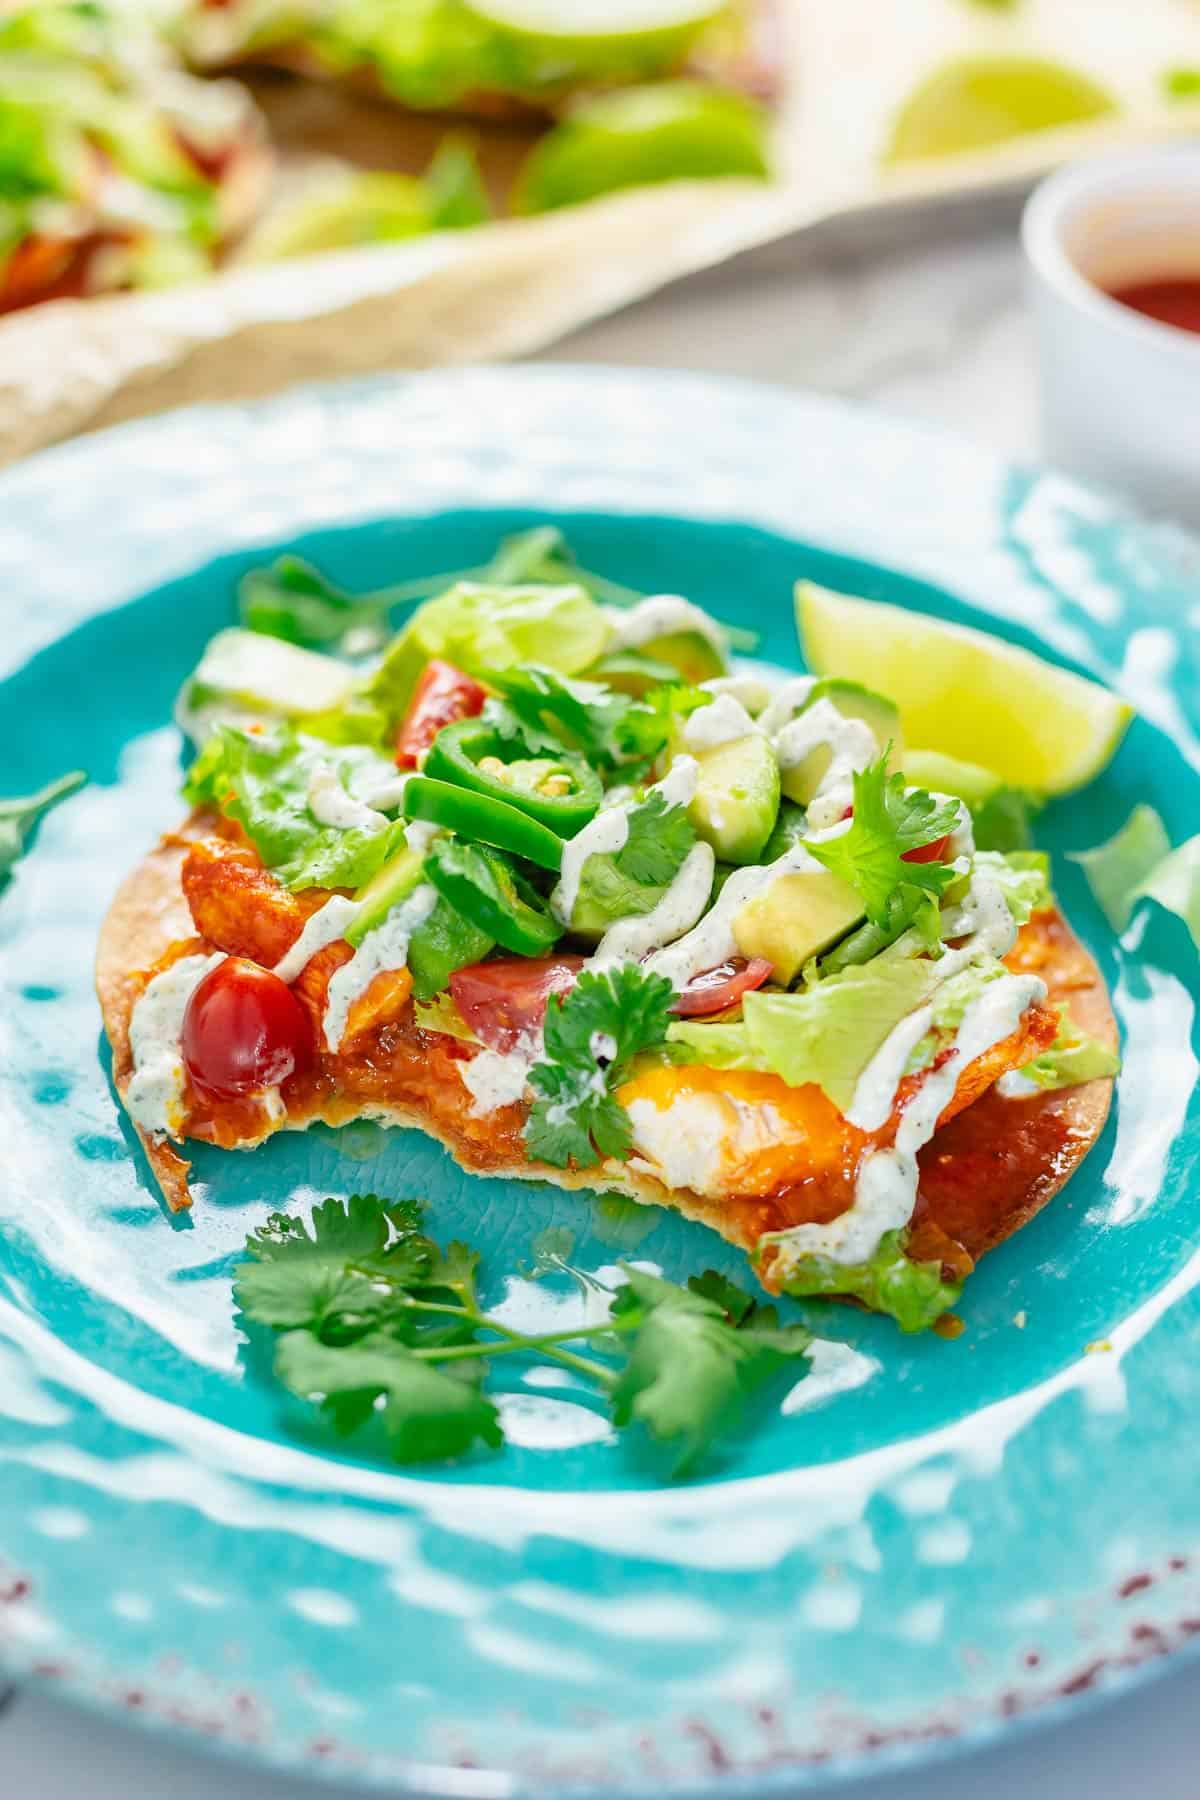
[[1174, 301]]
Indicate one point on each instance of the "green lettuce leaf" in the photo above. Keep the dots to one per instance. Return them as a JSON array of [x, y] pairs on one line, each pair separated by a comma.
[[486, 628], [261, 780], [825, 1034], [1139, 864], [914, 1294], [1073, 1057], [1024, 877]]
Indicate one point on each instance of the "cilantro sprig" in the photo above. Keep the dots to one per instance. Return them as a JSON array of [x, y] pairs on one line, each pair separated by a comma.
[[18, 817], [609, 728], [592, 1035], [890, 820], [379, 1326]]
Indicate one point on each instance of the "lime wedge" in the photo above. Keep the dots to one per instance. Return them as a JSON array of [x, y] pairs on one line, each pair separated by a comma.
[[964, 693], [978, 101], [595, 18]]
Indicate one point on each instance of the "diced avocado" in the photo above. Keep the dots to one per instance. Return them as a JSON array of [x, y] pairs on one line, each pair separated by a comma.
[[853, 701], [246, 672], [443, 942], [796, 917], [692, 655], [630, 672], [737, 797], [392, 883], [948, 775]]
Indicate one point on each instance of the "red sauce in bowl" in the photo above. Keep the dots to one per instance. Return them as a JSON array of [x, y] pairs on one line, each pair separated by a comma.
[[1173, 301]]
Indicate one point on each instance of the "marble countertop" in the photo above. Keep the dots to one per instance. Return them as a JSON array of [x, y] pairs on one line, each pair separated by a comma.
[[923, 317]]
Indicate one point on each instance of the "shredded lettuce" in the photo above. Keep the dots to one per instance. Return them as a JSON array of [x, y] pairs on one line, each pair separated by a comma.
[[1023, 876], [1072, 1057], [1139, 864], [826, 1034], [914, 1294]]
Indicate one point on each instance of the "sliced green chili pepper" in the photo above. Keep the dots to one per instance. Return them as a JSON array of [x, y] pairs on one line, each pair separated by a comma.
[[482, 820], [488, 891], [561, 792]]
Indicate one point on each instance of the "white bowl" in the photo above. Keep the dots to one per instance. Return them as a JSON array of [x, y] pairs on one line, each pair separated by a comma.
[[1120, 392]]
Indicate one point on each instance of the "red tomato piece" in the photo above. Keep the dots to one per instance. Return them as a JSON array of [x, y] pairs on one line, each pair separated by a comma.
[[503, 1000], [721, 987], [442, 695], [243, 1030], [927, 853]]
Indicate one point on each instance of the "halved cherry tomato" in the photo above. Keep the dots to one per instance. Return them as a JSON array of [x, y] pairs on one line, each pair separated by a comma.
[[721, 987], [442, 696], [243, 1030], [926, 853], [503, 1000]]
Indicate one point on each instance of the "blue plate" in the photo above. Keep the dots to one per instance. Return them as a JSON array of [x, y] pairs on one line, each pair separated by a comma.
[[928, 1538]]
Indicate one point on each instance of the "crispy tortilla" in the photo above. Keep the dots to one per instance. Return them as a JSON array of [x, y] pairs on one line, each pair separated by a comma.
[[983, 1175]]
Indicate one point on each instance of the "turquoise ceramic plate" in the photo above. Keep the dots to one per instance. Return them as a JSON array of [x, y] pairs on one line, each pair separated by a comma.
[[928, 1538]]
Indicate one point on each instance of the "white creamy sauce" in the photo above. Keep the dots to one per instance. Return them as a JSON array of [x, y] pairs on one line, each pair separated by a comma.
[[380, 785], [722, 721], [602, 836], [851, 746], [699, 1139], [749, 691], [886, 1189], [683, 903], [329, 923], [786, 702], [496, 1078], [155, 1092], [383, 949], [330, 803], [982, 916], [661, 615], [1013, 1085], [712, 941], [420, 833], [609, 830], [875, 1091]]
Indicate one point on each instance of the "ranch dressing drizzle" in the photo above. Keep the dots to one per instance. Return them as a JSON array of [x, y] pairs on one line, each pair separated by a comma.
[[661, 615], [722, 721], [886, 1190], [155, 1092], [331, 804], [609, 830], [712, 941], [496, 1078], [682, 904], [324, 927], [383, 949], [851, 745]]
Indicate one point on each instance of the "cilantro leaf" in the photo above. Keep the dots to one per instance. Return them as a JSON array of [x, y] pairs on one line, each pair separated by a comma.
[[586, 715], [331, 1280], [690, 1370], [656, 848], [890, 820], [428, 1413], [18, 817], [592, 1035], [648, 726]]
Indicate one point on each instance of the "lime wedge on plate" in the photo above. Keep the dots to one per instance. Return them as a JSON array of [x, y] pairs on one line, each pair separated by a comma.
[[596, 18], [964, 693], [979, 101]]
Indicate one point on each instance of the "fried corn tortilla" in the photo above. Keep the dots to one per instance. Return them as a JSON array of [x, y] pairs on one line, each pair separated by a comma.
[[992, 1164]]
